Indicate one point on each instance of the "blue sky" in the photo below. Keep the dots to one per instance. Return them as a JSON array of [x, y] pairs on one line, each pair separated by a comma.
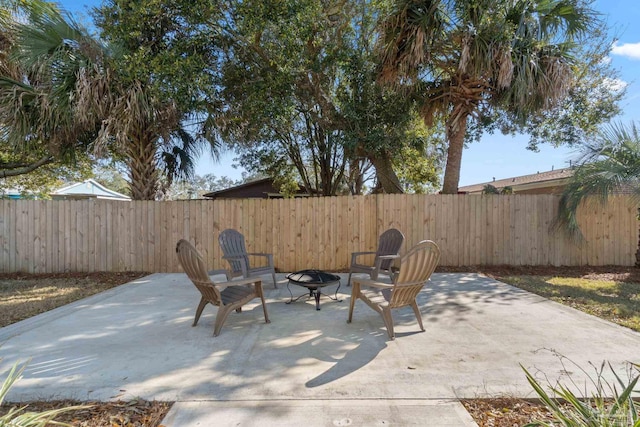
[[498, 156]]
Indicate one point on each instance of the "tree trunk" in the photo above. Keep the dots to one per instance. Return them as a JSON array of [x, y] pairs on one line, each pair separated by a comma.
[[143, 168], [638, 248], [356, 178], [456, 130], [387, 177]]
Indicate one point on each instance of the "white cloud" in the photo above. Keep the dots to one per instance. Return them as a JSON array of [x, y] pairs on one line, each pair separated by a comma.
[[615, 85], [630, 50]]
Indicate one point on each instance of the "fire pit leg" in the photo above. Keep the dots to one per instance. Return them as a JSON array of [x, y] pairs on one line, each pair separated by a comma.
[[296, 299], [317, 295]]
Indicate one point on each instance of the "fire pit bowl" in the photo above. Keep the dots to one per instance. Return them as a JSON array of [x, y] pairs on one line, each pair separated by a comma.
[[314, 281]]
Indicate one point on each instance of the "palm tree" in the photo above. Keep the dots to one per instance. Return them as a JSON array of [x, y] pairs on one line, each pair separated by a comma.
[[137, 129], [38, 70], [60, 88], [465, 59], [608, 165]]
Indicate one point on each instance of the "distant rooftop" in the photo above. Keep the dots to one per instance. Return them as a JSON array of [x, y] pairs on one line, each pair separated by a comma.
[[11, 193], [88, 189], [547, 178], [260, 188]]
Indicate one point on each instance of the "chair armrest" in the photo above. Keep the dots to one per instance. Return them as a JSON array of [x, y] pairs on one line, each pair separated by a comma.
[[373, 283], [389, 256], [354, 255], [268, 256], [241, 282], [381, 258], [260, 254], [233, 257]]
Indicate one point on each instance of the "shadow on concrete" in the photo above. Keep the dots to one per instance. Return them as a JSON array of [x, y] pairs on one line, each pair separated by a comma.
[[138, 341]]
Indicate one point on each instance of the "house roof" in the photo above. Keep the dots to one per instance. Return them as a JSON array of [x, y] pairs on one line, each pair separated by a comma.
[[548, 178], [11, 193], [229, 192], [260, 188], [89, 188]]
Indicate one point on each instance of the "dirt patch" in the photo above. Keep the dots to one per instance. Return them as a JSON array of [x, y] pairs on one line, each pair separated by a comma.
[[114, 278], [135, 413], [506, 411]]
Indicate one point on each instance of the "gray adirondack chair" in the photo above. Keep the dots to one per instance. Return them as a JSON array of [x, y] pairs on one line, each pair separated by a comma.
[[235, 252], [415, 269], [388, 250], [228, 296]]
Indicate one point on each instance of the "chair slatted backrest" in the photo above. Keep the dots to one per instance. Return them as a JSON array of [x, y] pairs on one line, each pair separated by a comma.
[[232, 245], [195, 268], [389, 244], [415, 269]]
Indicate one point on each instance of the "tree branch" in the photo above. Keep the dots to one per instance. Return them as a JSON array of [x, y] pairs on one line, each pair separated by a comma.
[[15, 171]]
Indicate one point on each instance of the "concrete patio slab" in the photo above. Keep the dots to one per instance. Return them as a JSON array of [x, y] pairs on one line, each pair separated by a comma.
[[137, 341]]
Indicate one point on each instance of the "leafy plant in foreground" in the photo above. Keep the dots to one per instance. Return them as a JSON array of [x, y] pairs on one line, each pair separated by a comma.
[[606, 407], [19, 417]]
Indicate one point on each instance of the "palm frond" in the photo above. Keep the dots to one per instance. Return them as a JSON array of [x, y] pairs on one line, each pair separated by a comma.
[[188, 151], [37, 90], [570, 17], [505, 68], [407, 37], [608, 165]]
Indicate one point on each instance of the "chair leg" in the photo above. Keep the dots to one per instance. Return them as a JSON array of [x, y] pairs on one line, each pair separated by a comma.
[[354, 295], [388, 322], [416, 310], [203, 303], [349, 279], [275, 284], [223, 312], [264, 306]]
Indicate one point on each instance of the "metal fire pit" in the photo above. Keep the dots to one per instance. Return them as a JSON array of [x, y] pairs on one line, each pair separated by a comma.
[[314, 281]]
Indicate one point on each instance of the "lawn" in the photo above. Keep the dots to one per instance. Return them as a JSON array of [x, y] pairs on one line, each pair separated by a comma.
[[612, 293]]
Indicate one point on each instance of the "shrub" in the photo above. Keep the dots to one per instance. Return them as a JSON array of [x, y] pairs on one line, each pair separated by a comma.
[[19, 417], [610, 405]]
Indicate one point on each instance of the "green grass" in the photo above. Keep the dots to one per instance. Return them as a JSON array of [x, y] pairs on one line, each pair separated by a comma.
[[618, 302]]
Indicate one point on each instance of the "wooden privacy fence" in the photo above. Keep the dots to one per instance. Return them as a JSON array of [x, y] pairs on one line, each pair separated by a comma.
[[96, 235]]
